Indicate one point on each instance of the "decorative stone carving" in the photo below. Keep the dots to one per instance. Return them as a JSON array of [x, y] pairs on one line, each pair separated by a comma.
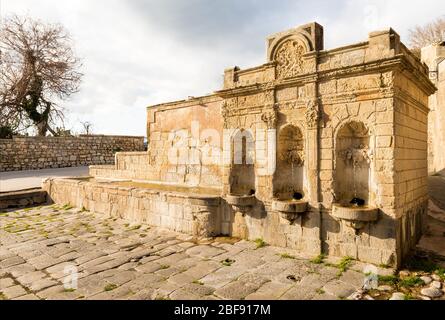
[[289, 58], [387, 79], [357, 157], [271, 118], [312, 115], [228, 109], [293, 156]]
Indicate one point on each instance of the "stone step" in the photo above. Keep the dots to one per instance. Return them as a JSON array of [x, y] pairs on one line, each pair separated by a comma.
[[22, 198]]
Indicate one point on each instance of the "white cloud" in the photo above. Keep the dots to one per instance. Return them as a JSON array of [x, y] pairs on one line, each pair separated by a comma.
[[138, 53]]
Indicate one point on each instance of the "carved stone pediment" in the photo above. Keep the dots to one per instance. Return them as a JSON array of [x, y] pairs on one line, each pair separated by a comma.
[[289, 58]]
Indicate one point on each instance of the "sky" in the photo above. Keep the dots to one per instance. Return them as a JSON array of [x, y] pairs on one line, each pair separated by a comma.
[[138, 53]]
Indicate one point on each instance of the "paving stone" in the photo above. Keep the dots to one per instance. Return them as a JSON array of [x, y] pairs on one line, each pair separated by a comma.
[[120, 293], [50, 292], [6, 283], [144, 281], [236, 290], [432, 292], [161, 265], [148, 267], [12, 261], [181, 294], [299, 292], [172, 259], [198, 289], [14, 292], [353, 278], [339, 289], [222, 276], [122, 277], [204, 251], [181, 279], [324, 296], [144, 294], [20, 270], [31, 277], [427, 280], [203, 268], [167, 271], [398, 296], [164, 290], [28, 297], [42, 284]]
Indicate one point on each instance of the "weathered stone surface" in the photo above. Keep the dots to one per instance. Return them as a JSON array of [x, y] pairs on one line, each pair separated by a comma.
[[432, 292], [30, 153], [398, 296], [195, 274], [236, 290], [6, 283], [14, 292], [339, 289], [427, 280]]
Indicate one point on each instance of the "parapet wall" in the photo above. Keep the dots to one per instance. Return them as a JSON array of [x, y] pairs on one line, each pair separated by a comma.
[[31, 153]]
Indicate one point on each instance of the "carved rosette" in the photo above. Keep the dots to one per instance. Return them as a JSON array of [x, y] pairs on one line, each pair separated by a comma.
[[312, 115], [289, 58]]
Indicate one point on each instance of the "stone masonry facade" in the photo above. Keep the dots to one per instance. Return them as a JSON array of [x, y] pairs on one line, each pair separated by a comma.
[[434, 56], [337, 126], [31, 153]]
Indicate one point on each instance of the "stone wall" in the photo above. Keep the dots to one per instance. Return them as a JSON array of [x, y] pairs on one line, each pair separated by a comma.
[[31, 153], [182, 148], [434, 56], [192, 214], [410, 196]]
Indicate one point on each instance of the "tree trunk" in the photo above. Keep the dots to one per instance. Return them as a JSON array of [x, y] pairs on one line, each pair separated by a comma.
[[42, 128]]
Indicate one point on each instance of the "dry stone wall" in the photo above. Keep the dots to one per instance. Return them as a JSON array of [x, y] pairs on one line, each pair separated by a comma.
[[31, 153]]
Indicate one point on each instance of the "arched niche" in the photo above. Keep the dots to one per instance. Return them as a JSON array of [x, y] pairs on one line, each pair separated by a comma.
[[289, 175], [352, 163], [242, 173]]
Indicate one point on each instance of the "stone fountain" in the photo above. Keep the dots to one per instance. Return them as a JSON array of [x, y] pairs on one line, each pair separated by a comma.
[[354, 159]]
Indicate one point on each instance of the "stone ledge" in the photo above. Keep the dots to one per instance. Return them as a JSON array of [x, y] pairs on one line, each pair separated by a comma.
[[23, 198]]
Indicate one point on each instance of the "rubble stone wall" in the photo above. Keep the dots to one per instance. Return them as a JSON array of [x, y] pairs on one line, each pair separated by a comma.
[[32, 153]]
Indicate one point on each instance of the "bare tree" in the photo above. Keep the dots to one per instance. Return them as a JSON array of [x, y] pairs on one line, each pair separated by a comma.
[[87, 127], [432, 32], [38, 70]]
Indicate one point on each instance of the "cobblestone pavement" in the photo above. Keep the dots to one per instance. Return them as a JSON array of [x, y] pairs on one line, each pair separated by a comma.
[[41, 247]]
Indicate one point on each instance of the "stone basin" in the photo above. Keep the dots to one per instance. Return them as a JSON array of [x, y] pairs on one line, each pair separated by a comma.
[[290, 206], [355, 214], [241, 200]]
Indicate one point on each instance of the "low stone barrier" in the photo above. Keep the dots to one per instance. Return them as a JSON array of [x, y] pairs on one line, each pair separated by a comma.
[[24, 198], [31, 153], [193, 214]]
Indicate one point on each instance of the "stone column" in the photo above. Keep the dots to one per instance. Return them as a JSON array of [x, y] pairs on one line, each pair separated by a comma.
[[268, 165], [312, 148]]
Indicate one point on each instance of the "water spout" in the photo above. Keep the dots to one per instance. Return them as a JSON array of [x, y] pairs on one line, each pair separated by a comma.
[[297, 196], [357, 202]]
